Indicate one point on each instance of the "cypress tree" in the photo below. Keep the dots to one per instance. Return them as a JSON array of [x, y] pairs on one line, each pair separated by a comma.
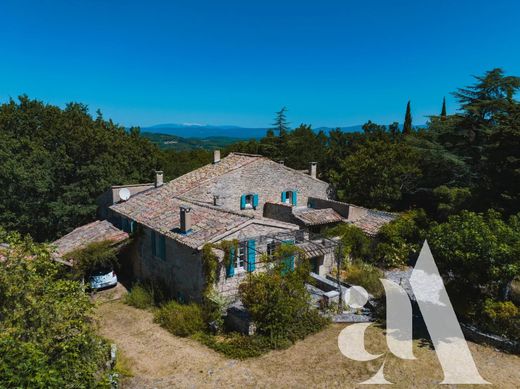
[[443, 111], [407, 126]]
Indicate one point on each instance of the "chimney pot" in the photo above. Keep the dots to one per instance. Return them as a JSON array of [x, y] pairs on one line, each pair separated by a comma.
[[216, 156], [158, 178], [216, 200], [313, 169], [185, 219], [281, 162]]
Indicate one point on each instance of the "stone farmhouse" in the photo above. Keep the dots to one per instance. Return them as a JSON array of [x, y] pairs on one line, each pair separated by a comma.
[[244, 197]]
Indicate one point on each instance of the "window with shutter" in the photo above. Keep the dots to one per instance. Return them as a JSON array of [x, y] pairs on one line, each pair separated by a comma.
[[251, 255]]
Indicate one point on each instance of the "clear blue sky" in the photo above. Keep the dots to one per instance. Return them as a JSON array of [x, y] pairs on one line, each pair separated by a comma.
[[236, 62]]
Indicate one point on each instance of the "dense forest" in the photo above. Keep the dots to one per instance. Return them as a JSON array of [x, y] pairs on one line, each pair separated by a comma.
[[55, 162]]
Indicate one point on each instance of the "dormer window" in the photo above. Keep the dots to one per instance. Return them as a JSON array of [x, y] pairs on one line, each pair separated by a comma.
[[249, 201], [289, 197]]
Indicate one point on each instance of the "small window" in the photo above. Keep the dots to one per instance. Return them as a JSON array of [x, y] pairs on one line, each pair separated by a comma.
[[249, 201], [289, 197], [271, 248], [241, 257]]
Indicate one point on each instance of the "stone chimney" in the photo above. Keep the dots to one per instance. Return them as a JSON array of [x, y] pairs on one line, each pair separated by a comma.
[[281, 162], [313, 168], [216, 156], [216, 200], [158, 178], [185, 219]]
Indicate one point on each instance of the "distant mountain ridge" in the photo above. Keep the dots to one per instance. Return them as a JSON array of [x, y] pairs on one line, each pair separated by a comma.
[[195, 130]]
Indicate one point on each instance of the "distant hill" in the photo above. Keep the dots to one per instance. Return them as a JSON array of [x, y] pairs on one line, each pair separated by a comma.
[[177, 143], [207, 131]]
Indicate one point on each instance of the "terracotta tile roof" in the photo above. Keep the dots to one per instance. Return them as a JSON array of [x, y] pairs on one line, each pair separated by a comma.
[[93, 232], [158, 208], [316, 248], [315, 217], [372, 221], [162, 213], [199, 176]]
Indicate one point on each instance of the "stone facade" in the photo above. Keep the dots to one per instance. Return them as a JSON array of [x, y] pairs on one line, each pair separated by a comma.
[[263, 177]]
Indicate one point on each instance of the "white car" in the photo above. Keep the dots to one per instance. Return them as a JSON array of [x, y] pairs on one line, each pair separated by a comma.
[[103, 278]]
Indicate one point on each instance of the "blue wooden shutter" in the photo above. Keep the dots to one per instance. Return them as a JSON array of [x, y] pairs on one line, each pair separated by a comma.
[[251, 255], [294, 198], [230, 270], [255, 200], [243, 202], [284, 197], [132, 226], [289, 261], [162, 247], [154, 247]]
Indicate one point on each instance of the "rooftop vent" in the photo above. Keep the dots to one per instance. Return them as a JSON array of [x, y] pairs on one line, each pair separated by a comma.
[[185, 219]]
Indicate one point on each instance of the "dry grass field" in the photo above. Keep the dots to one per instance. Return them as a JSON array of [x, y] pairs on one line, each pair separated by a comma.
[[160, 360]]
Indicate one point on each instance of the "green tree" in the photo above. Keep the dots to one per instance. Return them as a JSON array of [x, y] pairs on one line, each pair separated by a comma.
[[377, 174], [480, 252], [47, 338], [55, 162], [399, 240], [280, 122], [443, 110], [407, 126]]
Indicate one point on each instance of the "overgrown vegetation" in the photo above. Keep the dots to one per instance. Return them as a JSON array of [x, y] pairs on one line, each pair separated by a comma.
[[94, 256], [181, 319], [140, 296], [47, 338], [365, 275], [279, 302]]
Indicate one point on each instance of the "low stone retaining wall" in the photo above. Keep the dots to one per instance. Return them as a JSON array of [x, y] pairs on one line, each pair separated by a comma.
[[474, 334]]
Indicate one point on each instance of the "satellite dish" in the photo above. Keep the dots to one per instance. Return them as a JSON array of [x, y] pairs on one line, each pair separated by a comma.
[[124, 194]]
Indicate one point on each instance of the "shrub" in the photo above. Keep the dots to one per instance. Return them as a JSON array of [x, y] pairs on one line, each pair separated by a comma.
[[279, 305], [237, 346], [502, 318], [140, 297], [180, 319], [365, 275], [400, 239], [47, 339], [92, 257], [354, 242]]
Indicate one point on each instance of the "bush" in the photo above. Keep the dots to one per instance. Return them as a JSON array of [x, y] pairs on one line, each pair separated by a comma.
[[502, 318], [47, 339], [92, 257], [237, 346], [279, 305], [180, 319], [140, 297], [400, 239], [365, 275]]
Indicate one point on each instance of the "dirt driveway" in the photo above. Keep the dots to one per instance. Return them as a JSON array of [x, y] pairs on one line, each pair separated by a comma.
[[160, 360]]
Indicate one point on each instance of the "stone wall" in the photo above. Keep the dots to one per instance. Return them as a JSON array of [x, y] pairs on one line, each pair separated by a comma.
[[282, 212], [228, 286], [321, 203], [266, 178], [180, 273]]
